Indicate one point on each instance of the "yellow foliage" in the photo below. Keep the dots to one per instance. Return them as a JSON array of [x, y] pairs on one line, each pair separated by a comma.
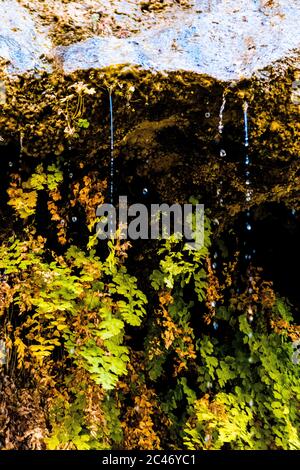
[[23, 202]]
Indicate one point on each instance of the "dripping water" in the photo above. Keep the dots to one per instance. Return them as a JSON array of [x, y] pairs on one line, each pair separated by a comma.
[[248, 197], [247, 161], [219, 189], [246, 127], [112, 160], [21, 151], [221, 126], [222, 151]]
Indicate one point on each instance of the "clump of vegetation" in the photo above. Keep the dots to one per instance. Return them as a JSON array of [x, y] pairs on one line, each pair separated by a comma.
[[102, 364], [101, 351]]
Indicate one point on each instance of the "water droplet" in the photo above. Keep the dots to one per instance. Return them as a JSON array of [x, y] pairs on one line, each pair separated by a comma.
[[145, 192], [222, 153], [207, 115], [215, 255], [248, 227], [10, 164], [250, 311], [250, 335], [216, 222], [71, 175], [250, 318], [250, 359], [62, 222], [213, 304], [250, 290], [247, 182], [247, 160], [215, 325], [251, 403], [74, 219], [247, 173], [214, 265], [293, 211], [248, 214], [72, 350]]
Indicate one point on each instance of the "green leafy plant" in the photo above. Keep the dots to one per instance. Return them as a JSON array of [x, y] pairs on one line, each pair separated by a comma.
[[116, 368], [252, 387]]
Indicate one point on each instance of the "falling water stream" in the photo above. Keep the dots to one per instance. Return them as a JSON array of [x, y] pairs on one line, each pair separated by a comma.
[[249, 191], [21, 151], [248, 198], [247, 164], [248, 254], [222, 151], [246, 127], [219, 188], [221, 126], [112, 147]]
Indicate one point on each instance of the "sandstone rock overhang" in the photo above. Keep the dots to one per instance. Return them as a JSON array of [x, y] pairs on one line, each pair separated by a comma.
[[225, 39], [166, 110]]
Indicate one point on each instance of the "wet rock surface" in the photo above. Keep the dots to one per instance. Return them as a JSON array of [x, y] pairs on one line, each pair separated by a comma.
[[23, 46], [226, 39], [168, 65], [231, 41]]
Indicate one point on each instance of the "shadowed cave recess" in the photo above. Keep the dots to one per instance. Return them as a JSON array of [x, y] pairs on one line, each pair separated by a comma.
[[168, 148]]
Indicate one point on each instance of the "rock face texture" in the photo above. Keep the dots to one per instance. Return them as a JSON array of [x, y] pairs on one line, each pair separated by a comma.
[[228, 39], [231, 41], [169, 66]]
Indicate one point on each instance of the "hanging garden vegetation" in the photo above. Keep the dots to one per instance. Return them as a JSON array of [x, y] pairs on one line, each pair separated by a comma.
[[133, 342]]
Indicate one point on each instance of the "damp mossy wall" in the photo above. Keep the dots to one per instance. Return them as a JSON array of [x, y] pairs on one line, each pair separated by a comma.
[[166, 130]]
